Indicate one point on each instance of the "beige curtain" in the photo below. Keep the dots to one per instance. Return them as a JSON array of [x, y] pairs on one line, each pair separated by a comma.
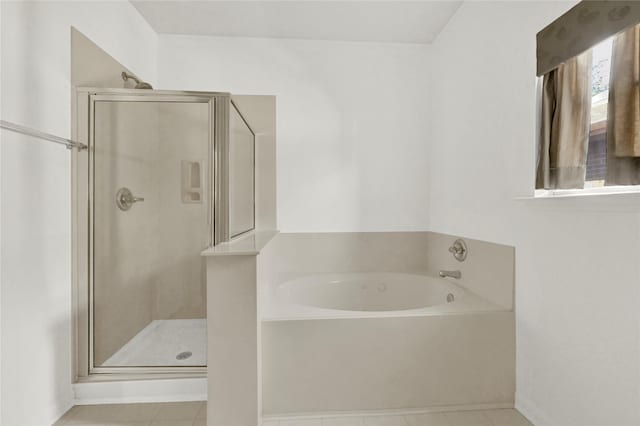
[[564, 125], [623, 115]]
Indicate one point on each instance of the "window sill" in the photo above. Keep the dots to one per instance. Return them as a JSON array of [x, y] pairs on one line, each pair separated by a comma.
[[605, 199], [587, 192]]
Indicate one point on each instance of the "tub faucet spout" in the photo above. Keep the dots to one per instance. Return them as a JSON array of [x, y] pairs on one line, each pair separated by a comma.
[[450, 274]]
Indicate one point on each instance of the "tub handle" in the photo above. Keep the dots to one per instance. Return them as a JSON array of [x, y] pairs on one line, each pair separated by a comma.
[[459, 250]]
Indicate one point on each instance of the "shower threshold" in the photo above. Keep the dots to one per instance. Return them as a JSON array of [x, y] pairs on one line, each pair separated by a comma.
[[165, 343]]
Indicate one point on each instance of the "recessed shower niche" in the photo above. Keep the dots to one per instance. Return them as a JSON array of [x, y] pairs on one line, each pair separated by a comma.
[[192, 182], [166, 175]]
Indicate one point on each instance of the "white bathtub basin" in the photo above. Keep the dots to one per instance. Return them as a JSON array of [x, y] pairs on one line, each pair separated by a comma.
[[369, 291]]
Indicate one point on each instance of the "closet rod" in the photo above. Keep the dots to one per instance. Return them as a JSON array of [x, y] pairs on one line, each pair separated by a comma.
[[13, 127]]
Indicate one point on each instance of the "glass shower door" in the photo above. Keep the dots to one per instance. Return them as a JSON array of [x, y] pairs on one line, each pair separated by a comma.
[[150, 217]]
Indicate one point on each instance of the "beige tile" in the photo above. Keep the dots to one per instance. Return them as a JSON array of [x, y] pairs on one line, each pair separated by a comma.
[[467, 418], [92, 414], [428, 419], [85, 424], [179, 411], [171, 423], [202, 413], [507, 417], [385, 421], [137, 412], [301, 422], [194, 414], [66, 416], [113, 413], [69, 415], [124, 423], [343, 421]]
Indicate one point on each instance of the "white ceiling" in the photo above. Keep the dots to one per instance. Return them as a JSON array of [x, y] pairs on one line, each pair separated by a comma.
[[376, 21]]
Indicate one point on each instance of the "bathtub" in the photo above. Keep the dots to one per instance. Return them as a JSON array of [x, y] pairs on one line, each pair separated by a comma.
[[358, 343], [369, 295]]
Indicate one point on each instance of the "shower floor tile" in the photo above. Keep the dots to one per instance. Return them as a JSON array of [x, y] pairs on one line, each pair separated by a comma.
[[165, 343]]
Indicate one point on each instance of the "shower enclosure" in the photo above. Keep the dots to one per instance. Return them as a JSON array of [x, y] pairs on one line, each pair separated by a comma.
[[154, 188]]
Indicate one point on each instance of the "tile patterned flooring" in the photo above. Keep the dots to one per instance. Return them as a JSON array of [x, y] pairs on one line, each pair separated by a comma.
[[502, 417], [194, 414], [164, 414]]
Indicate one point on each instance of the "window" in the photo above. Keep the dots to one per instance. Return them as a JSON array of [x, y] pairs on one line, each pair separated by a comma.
[[597, 147], [589, 127]]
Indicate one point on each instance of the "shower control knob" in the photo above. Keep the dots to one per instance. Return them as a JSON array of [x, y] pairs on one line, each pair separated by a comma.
[[459, 250], [125, 199]]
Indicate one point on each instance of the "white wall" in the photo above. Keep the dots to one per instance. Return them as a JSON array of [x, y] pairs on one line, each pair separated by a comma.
[[577, 269], [352, 123], [35, 176]]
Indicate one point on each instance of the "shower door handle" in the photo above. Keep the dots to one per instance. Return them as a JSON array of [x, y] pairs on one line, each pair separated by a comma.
[[125, 199]]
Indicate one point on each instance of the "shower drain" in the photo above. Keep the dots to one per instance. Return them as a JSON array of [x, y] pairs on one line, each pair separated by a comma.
[[183, 355]]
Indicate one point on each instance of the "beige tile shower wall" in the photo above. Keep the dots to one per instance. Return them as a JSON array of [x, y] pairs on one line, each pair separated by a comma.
[[241, 175], [179, 289], [487, 271], [266, 212], [93, 67], [126, 242], [260, 113]]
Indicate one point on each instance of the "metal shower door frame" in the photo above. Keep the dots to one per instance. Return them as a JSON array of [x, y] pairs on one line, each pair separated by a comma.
[[83, 163]]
